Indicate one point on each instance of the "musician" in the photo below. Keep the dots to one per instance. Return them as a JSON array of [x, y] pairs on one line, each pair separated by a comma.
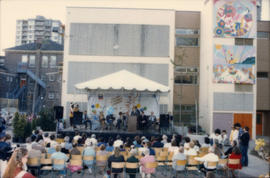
[[102, 120], [71, 114], [125, 120], [135, 111], [119, 120], [143, 121], [95, 120], [86, 120], [152, 120]]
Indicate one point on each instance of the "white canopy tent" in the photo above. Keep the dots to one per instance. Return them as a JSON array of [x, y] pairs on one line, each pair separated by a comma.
[[123, 80]]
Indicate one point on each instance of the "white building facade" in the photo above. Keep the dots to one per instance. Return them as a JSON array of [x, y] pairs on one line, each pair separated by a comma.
[[106, 40]]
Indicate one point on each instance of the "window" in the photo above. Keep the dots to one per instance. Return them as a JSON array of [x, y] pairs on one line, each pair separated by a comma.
[[2, 62], [262, 74], [185, 79], [180, 31], [51, 96], [163, 109], [243, 41], [45, 62], [186, 75], [263, 35], [51, 78], [24, 59], [53, 62], [32, 61], [186, 116], [184, 41], [43, 78]]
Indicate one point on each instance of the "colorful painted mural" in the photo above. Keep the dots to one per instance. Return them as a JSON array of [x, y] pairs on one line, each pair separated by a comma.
[[234, 64], [225, 54], [235, 18]]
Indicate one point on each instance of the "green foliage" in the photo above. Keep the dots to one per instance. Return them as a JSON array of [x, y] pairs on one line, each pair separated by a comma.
[[46, 120], [28, 129], [19, 124]]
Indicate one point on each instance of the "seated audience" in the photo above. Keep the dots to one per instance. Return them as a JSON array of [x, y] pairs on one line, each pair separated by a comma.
[[216, 136], [229, 150], [74, 150], [66, 145], [206, 142], [179, 155], [144, 160], [191, 151], [34, 153], [59, 155], [157, 143], [210, 157], [236, 154], [132, 159], [89, 150], [197, 145], [187, 141], [110, 147], [174, 147], [116, 157]]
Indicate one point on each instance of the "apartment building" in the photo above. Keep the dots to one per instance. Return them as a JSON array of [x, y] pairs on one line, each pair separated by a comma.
[[39, 28]]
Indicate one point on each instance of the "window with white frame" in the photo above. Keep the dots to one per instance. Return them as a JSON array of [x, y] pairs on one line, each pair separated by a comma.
[[24, 59], [51, 95], [45, 62], [52, 61], [32, 61]]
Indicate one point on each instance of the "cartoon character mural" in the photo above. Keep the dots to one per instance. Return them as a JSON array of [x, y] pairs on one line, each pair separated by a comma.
[[235, 18], [234, 64]]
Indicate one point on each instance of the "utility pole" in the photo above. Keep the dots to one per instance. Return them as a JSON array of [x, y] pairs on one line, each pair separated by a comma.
[[37, 62]]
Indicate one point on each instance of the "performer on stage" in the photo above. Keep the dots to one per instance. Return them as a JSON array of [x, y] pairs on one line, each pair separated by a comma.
[[71, 116], [152, 120], [125, 120], [95, 121], [119, 121], [144, 121], [102, 120], [86, 120]]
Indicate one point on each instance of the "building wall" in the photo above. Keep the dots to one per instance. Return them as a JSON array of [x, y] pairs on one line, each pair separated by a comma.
[[13, 58], [208, 89], [132, 21]]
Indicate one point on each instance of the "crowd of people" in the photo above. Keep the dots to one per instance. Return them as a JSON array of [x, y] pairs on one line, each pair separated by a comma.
[[181, 149]]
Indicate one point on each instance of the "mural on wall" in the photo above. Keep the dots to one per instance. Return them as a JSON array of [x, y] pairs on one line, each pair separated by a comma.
[[235, 18], [234, 64]]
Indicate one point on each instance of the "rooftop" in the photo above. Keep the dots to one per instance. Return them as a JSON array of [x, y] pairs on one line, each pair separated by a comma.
[[47, 45]]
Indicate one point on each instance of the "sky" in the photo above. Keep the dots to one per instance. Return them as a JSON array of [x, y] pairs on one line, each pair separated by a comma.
[[12, 10]]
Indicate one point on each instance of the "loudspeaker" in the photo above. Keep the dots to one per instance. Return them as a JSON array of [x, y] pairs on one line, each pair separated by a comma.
[[164, 120], [77, 119], [58, 112]]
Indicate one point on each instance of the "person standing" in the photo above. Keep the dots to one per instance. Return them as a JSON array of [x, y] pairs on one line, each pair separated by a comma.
[[86, 120], [244, 143]]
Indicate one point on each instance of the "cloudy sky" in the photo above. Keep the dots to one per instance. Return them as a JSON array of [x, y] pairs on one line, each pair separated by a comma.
[[11, 10]]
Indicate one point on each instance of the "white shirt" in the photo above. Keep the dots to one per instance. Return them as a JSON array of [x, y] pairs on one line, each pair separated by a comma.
[[191, 152], [167, 145], [77, 137], [216, 137], [210, 157], [117, 143], [174, 149], [186, 145], [235, 134], [91, 140]]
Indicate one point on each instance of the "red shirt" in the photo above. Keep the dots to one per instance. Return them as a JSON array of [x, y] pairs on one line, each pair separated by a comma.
[[234, 156], [26, 175]]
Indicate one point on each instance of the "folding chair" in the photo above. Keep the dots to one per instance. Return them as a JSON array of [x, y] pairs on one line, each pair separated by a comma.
[[222, 166], [80, 148], [151, 165], [75, 162], [181, 163], [101, 159], [89, 158], [192, 164], [117, 165], [76, 157], [60, 163], [46, 165], [132, 166], [235, 162], [162, 160], [34, 164], [211, 164]]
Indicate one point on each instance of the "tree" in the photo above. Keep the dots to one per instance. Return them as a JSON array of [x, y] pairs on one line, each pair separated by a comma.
[[46, 120], [19, 124]]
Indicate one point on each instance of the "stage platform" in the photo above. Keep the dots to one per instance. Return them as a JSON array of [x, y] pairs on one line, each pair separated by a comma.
[[113, 133]]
